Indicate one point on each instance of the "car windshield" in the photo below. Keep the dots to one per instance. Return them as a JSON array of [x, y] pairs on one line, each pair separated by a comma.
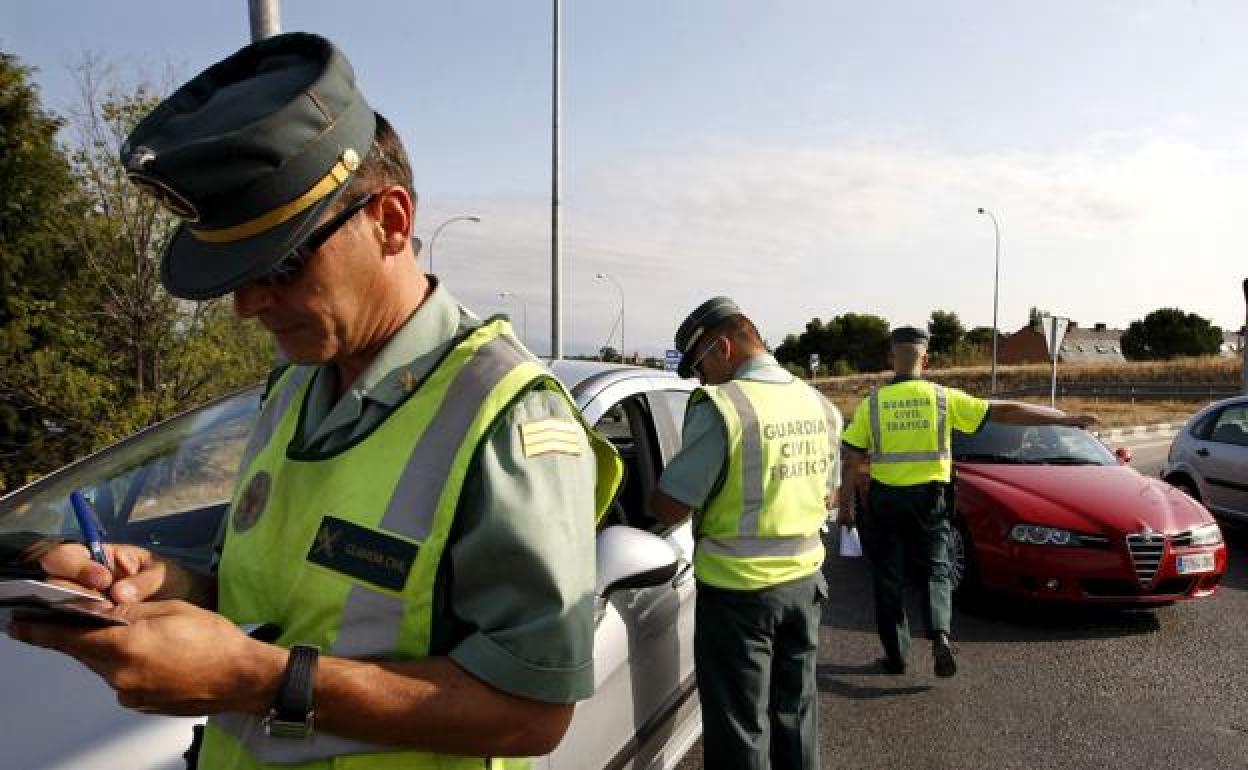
[[165, 488], [1031, 445]]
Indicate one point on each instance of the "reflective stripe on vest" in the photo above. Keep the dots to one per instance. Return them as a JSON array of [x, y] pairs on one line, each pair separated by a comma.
[[941, 452], [471, 389], [761, 528]]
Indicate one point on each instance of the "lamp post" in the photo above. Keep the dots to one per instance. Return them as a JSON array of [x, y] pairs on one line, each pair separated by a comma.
[[996, 282], [265, 16], [620, 289], [524, 310], [1243, 343], [434, 238]]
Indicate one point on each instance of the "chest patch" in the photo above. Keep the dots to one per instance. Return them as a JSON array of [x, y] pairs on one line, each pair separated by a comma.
[[253, 502], [364, 554]]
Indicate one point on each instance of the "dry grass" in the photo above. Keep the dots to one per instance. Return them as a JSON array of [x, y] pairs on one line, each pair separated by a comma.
[[846, 392]]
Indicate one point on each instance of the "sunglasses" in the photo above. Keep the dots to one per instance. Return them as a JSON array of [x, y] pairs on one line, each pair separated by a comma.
[[287, 271], [696, 365]]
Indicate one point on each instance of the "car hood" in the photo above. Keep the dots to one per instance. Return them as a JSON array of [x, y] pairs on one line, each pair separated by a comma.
[[1085, 498]]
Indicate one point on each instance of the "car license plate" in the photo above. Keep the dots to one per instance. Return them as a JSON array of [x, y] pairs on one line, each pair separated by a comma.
[[1195, 562]]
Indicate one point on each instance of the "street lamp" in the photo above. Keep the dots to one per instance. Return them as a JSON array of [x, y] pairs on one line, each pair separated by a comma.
[[996, 281], [433, 239], [620, 289], [524, 310]]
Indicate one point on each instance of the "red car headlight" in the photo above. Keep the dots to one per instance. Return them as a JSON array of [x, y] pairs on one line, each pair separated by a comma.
[[1032, 534]]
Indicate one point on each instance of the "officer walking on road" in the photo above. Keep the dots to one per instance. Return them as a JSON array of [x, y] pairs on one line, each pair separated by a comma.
[[759, 466], [905, 428], [415, 515]]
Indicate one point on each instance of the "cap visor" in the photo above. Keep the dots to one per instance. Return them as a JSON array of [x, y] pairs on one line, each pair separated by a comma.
[[195, 269]]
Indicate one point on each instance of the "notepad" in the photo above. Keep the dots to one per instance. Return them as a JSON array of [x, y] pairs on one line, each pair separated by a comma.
[[41, 601]]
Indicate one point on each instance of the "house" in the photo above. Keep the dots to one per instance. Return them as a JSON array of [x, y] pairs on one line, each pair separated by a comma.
[[1098, 344], [1232, 343]]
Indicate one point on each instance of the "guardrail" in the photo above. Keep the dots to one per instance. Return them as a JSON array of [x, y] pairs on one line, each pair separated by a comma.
[[1131, 391]]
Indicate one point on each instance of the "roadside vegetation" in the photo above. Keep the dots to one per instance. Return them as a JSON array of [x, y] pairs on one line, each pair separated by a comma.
[[847, 391]]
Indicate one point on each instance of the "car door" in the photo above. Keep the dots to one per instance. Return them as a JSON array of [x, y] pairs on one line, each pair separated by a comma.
[[643, 712], [165, 488], [1222, 460]]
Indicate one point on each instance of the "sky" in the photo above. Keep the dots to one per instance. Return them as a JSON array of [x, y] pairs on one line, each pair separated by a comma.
[[806, 157]]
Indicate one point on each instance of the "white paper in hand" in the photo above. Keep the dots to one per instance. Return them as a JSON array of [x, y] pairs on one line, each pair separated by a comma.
[[851, 546]]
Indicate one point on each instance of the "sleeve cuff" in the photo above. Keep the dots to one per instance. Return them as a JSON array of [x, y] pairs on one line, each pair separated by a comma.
[[985, 421], [493, 664]]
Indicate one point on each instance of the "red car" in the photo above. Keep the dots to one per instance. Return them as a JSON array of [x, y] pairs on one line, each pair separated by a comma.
[[1050, 513]]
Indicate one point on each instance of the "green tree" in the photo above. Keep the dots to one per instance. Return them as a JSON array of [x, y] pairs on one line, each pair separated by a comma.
[[114, 351], [853, 341], [37, 196], [945, 331], [980, 338], [1169, 332]]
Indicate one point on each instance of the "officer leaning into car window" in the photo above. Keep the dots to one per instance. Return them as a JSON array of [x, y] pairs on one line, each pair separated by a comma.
[[905, 430], [417, 503], [759, 467]]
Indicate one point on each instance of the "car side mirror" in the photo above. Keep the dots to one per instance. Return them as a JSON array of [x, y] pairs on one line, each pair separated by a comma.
[[1123, 454], [632, 558]]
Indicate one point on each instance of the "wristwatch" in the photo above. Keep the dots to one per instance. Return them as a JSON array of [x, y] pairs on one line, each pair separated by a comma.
[[291, 714]]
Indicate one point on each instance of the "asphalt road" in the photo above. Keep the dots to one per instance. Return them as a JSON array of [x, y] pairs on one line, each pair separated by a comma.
[[1042, 687]]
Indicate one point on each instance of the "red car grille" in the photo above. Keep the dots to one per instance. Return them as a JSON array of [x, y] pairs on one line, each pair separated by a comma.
[[1146, 552]]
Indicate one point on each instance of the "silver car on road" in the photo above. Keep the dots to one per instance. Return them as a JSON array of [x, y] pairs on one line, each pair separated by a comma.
[[167, 488], [1209, 459]]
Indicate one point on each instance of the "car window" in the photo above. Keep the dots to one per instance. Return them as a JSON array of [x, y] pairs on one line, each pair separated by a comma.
[[1231, 426], [628, 425], [668, 407], [1204, 426], [1018, 444], [165, 488]]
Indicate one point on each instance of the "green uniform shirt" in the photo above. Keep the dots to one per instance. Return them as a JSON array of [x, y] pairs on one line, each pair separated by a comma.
[[697, 471], [519, 612]]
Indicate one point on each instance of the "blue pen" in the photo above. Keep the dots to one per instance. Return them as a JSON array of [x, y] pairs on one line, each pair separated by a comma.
[[90, 528]]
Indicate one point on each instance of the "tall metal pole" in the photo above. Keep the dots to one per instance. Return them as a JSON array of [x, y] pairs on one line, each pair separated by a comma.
[[524, 309], [556, 255], [996, 282], [1243, 342], [434, 238], [620, 289], [1053, 348], [265, 19]]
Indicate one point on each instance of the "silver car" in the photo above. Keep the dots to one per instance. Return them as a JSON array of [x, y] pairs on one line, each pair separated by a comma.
[[167, 488], [1209, 458]]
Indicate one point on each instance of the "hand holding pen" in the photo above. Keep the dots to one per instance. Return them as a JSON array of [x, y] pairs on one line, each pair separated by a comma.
[[90, 527]]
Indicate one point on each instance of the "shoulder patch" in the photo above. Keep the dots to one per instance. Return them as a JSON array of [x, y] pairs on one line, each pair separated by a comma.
[[551, 435]]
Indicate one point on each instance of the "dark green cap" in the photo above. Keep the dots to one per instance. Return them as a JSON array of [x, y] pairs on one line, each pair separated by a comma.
[[707, 316], [909, 335], [250, 153]]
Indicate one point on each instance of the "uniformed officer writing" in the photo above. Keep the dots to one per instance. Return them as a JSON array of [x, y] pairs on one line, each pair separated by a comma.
[[416, 509], [905, 430], [758, 465]]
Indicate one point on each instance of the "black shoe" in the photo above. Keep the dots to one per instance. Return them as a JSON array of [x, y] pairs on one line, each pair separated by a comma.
[[890, 666], [946, 664]]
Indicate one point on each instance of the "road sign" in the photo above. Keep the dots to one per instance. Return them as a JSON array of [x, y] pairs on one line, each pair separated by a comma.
[[1054, 331], [671, 360], [814, 363]]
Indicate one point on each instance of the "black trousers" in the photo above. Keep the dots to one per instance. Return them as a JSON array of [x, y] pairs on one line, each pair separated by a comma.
[[755, 653], [907, 525]]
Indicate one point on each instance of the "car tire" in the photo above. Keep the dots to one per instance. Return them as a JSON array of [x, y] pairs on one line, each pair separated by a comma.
[[963, 571]]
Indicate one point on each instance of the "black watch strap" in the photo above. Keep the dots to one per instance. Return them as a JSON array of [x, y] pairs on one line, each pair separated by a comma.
[[291, 715]]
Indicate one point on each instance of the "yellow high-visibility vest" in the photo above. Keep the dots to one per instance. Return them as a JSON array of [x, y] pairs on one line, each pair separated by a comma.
[[910, 433], [761, 527], [392, 497]]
